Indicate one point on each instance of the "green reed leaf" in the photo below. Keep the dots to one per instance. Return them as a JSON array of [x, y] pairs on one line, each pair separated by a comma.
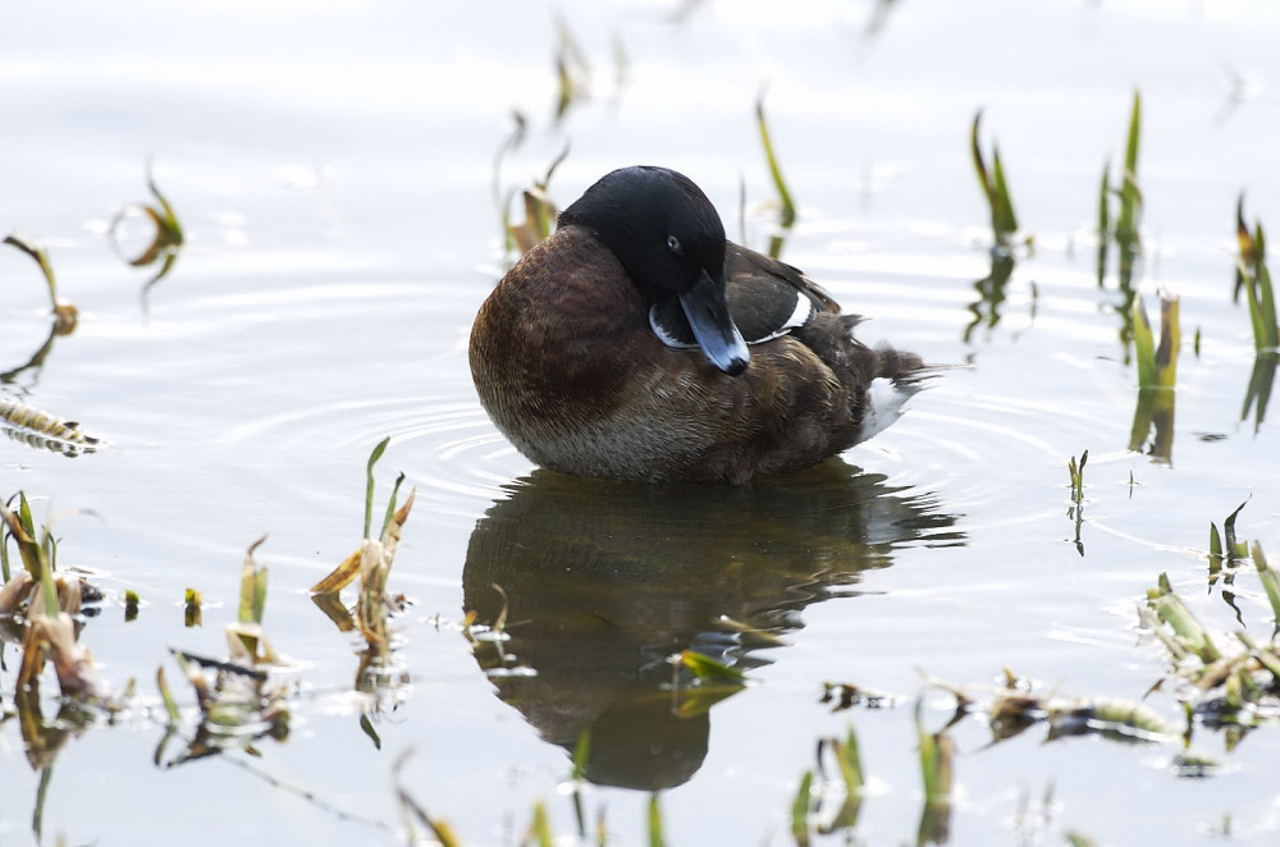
[[374, 456], [705, 667], [800, 808]]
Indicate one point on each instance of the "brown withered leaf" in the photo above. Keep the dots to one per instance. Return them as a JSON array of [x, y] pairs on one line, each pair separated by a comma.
[[340, 577]]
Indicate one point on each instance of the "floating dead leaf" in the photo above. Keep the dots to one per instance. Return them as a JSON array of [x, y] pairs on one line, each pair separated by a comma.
[[846, 695], [50, 431], [1121, 718]]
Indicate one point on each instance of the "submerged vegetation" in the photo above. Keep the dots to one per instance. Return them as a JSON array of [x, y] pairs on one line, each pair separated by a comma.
[[1120, 219], [374, 606], [991, 289], [1075, 469], [237, 699], [1157, 378]]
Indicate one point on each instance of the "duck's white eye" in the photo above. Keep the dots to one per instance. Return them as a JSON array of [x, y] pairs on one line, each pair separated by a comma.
[[673, 244]]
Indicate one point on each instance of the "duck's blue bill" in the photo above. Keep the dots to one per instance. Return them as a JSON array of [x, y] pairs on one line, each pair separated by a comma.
[[714, 330]]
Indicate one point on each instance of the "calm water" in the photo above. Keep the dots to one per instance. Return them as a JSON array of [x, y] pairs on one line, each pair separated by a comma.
[[333, 167]]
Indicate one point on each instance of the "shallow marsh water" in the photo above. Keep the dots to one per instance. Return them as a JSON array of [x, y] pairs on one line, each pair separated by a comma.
[[333, 168]]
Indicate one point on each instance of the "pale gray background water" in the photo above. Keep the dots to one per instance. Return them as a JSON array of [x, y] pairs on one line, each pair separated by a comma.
[[332, 165]]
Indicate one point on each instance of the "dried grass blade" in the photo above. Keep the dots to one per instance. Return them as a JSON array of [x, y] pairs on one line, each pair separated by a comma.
[[340, 577]]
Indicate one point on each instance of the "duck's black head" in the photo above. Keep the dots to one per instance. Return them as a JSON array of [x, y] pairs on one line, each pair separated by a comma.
[[670, 240]]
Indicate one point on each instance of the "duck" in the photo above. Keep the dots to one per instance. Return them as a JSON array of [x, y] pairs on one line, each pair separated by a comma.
[[637, 343]]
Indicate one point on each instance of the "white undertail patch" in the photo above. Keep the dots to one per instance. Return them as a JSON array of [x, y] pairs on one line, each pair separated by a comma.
[[884, 402]]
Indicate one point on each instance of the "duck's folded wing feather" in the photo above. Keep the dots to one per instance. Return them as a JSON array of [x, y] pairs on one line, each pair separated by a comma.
[[742, 263], [767, 298]]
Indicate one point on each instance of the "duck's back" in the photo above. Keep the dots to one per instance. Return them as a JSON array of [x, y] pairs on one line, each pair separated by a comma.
[[566, 363]]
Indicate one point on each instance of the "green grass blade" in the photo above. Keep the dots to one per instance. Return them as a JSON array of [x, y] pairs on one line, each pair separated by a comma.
[[368, 490], [1258, 394], [1104, 205], [979, 164], [849, 760], [366, 726], [540, 829], [936, 752], [1130, 195], [1166, 357], [581, 755], [1006, 221], [1144, 345], [1170, 609], [787, 212], [1247, 260], [391, 505], [1270, 339], [800, 807], [166, 697], [705, 667], [253, 587], [4, 551], [1135, 132], [169, 216], [42, 791], [1270, 581], [1265, 656], [1215, 552], [1235, 548], [656, 838], [41, 257]]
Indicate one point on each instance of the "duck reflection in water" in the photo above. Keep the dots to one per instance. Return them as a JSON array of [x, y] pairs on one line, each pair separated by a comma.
[[604, 581]]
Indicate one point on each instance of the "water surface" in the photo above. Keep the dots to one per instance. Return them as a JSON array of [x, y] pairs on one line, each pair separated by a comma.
[[333, 167]]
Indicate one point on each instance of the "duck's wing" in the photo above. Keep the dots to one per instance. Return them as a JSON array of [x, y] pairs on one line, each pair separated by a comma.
[[767, 299], [744, 265]]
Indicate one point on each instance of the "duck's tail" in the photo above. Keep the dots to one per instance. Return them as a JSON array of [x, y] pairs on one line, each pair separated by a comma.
[[907, 369], [898, 376]]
